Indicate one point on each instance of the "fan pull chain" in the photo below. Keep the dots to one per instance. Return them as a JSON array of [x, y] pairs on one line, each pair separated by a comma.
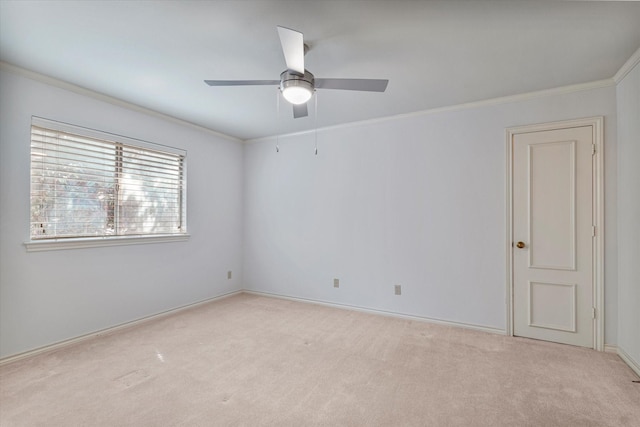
[[315, 110], [278, 120]]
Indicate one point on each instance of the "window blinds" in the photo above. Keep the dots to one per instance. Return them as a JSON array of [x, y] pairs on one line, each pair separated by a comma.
[[85, 183]]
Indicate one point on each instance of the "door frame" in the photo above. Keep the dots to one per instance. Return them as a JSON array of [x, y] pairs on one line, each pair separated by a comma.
[[596, 124]]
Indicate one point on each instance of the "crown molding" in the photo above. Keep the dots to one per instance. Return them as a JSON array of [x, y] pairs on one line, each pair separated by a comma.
[[627, 67], [106, 98], [562, 90]]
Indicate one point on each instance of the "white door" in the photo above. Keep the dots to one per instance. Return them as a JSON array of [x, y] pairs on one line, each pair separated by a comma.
[[553, 212]]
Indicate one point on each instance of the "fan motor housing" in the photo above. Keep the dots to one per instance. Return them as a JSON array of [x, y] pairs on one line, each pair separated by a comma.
[[289, 78]]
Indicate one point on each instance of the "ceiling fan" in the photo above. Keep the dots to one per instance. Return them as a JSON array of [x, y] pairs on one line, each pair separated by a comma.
[[296, 83]]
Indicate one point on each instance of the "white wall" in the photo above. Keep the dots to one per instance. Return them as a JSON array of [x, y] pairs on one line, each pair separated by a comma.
[[417, 201], [47, 297], [628, 103]]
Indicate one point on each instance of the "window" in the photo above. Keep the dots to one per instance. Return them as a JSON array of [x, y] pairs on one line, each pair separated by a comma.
[[86, 183]]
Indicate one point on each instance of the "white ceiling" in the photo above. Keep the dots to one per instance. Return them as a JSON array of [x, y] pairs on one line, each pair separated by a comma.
[[156, 54]]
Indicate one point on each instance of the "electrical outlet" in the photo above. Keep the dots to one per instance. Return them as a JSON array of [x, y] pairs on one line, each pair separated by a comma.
[[229, 274], [398, 289], [336, 283]]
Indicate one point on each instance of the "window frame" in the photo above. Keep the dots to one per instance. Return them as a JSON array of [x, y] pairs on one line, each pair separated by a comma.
[[56, 243]]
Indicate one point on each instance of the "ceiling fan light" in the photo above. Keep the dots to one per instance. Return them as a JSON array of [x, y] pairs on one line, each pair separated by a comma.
[[295, 88], [297, 94]]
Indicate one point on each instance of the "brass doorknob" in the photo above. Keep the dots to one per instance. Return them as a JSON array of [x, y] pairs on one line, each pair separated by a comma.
[[520, 245]]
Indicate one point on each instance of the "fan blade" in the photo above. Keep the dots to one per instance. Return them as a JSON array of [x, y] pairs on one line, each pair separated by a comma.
[[241, 82], [300, 110], [367, 85], [292, 43]]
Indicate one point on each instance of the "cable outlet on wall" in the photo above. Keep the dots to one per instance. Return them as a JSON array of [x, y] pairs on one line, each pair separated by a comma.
[[336, 283], [397, 289], [229, 274]]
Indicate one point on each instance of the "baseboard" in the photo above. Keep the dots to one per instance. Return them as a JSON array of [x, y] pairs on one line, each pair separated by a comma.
[[65, 343], [610, 348], [382, 312], [633, 364]]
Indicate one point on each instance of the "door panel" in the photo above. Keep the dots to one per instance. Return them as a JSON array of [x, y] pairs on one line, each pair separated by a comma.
[[553, 218], [552, 205], [552, 306]]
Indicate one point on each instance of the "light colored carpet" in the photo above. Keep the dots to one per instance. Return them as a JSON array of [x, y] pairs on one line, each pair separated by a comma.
[[251, 360]]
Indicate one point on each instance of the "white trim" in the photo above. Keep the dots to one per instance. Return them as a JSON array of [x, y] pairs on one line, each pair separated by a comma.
[[97, 242], [627, 66], [509, 234], [110, 330], [598, 250], [106, 98], [597, 84], [610, 348], [633, 364], [451, 108], [598, 196], [472, 326]]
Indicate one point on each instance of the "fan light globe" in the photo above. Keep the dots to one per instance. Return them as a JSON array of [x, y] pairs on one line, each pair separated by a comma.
[[296, 94], [296, 89]]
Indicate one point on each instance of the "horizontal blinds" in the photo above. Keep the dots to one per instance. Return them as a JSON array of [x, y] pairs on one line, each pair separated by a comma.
[[85, 186], [150, 192]]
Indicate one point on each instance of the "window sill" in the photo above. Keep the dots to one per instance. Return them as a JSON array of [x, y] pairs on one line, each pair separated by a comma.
[[96, 242]]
